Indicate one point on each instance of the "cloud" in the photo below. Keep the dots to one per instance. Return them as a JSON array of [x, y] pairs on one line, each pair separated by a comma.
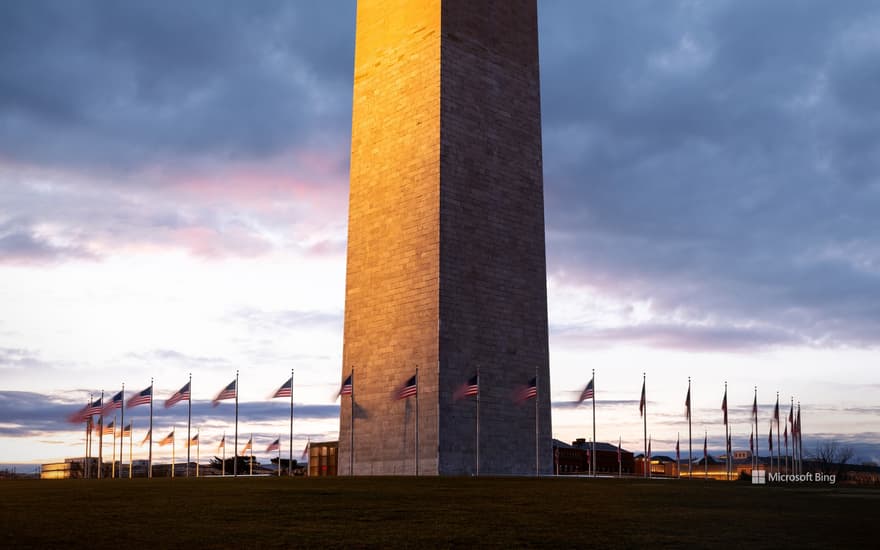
[[131, 84], [676, 336], [219, 129], [32, 414], [259, 319], [18, 358], [719, 162]]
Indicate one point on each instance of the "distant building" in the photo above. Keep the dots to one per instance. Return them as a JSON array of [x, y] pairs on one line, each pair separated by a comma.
[[71, 468], [576, 458], [323, 458]]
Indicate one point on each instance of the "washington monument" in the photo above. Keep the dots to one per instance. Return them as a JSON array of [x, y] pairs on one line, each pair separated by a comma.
[[446, 270]]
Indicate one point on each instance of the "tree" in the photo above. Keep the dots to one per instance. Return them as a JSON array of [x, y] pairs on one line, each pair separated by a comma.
[[831, 457], [243, 464]]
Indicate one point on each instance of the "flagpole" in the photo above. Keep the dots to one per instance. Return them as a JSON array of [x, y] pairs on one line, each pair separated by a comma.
[[235, 461], [279, 435], [778, 462], [113, 464], [173, 445], [677, 456], [198, 447], [537, 463], [351, 428], [800, 451], [479, 391], [645, 421], [795, 450], [757, 447], [417, 421], [290, 458], [122, 427], [726, 433], [101, 438], [619, 459], [251, 461], [88, 440], [791, 423], [223, 464], [150, 455], [690, 435], [130, 448], [594, 423], [189, 423], [705, 454]]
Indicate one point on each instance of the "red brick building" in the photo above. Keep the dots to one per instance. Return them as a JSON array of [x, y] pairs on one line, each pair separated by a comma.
[[575, 458]]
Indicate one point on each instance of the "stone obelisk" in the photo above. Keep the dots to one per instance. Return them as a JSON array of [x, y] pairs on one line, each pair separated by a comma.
[[446, 268]]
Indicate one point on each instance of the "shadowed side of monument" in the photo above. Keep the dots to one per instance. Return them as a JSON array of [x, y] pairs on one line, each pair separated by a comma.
[[446, 270], [493, 297]]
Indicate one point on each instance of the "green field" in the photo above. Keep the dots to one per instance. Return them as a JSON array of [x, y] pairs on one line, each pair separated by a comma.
[[431, 512]]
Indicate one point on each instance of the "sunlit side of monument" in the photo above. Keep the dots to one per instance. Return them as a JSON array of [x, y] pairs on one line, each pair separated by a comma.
[[446, 265]]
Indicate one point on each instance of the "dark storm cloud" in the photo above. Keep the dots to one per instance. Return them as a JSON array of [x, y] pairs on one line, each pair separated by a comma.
[[120, 85], [719, 160]]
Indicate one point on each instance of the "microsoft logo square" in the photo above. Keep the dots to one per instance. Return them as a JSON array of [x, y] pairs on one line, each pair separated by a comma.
[[759, 477]]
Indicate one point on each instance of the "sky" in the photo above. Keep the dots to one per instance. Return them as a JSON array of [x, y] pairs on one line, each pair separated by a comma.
[[173, 200]]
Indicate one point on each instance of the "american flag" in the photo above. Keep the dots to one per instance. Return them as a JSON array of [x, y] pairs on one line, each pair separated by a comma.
[[649, 449], [145, 397], [222, 443], [126, 431], [169, 439], [274, 446], [588, 392], [194, 440], [729, 446], [227, 393], [791, 414], [114, 403], [347, 386], [724, 406], [528, 392], [770, 437], [409, 389], [677, 452], [472, 387], [83, 414], [94, 408], [706, 447], [785, 436], [286, 390], [248, 446], [109, 428], [755, 406], [687, 404], [619, 458], [305, 454], [752, 442], [148, 437], [183, 394], [642, 401], [776, 411]]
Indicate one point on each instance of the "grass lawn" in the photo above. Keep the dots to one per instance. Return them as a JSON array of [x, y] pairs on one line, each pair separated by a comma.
[[431, 512]]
